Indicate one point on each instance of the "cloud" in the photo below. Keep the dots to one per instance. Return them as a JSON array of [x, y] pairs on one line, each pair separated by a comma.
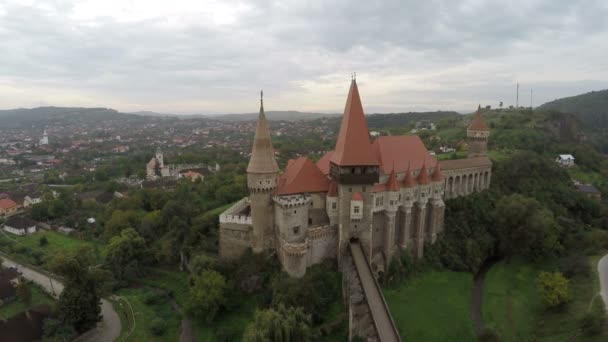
[[214, 56]]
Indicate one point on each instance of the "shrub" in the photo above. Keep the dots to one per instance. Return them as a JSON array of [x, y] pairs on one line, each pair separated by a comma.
[[158, 327], [43, 241], [553, 288], [488, 334], [154, 297]]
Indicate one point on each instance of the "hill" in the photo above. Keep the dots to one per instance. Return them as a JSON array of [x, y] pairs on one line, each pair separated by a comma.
[[43, 116], [591, 108], [289, 115]]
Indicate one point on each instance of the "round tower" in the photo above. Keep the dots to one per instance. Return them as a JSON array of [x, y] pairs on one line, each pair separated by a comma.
[[262, 178], [477, 135]]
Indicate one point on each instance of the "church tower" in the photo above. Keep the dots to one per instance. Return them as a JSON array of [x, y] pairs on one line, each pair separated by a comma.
[[262, 178], [477, 135], [159, 158], [354, 168]]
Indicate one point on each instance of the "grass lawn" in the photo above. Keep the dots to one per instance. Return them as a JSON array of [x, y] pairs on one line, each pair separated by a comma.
[[510, 300], [585, 175], [433, 306], [16, 306], [56, 242], [147, 314], [512, 306]]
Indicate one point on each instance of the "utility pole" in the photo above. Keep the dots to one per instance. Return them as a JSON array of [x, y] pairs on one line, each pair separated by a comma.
[[531, 98], [517, 97]]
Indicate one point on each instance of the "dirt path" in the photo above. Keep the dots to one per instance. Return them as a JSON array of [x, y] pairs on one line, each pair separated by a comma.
[[477, 297], [185, 331]]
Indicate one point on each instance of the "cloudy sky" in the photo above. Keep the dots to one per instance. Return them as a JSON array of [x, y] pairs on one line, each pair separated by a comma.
[[196, 56]]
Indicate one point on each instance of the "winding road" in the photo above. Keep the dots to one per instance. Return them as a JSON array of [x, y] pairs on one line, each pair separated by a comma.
[[107, 330], [602, 270]]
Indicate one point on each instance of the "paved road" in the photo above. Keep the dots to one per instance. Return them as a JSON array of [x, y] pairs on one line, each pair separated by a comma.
[[380, 313], [107, 330], [602, 269]]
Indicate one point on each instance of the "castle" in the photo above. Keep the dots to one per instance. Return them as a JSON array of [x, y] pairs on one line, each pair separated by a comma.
[[387, 194]]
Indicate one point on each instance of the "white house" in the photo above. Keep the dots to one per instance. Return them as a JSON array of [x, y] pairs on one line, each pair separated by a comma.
[[565, 160], [20, 225]]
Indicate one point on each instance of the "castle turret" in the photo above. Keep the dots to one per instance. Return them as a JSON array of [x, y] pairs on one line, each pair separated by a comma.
[[354, 168], [477, 135], [262, 174]]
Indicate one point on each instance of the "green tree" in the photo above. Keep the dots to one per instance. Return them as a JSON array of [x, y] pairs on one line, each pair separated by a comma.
[[553, 288], [207, 294], [125, 254], [524, 227], [24, 293], [280, 324], [79, 304]]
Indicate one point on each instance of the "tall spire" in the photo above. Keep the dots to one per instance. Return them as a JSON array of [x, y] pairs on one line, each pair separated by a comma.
[[409, 181], [353, 146], [392, 184], [423, 176], [478, 124], [262, 154]]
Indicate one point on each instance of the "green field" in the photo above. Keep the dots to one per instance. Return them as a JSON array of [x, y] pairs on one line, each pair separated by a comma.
[[16, 306], [433, 306], [56, 242], [510, 300], [146, 314], [512, 306]]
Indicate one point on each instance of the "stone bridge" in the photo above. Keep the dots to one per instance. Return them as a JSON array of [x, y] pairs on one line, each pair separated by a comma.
[[369, 315]]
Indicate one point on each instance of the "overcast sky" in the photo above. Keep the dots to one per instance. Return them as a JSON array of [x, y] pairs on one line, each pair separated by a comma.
[[200, 56]]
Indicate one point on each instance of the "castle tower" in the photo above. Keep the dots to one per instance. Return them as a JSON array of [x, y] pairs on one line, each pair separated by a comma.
[[477, 135], [421, 211], [262, 177], [408, 193], [437, 205], [354, 168], [159, 158]]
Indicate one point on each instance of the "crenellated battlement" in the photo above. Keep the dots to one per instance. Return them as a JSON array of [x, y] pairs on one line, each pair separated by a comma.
[[292, 201], [235, 214]]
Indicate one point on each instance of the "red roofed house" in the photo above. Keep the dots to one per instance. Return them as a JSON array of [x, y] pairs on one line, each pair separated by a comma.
[[8, 207], [385, 194]]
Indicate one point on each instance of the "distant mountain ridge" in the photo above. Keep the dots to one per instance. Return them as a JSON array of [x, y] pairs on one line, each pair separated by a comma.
[[590, 108]]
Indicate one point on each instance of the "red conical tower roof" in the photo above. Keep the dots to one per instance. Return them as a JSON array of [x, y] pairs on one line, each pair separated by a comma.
[[478, 124], [409, 181], [262, 154], [437, 176], [423, 177], [353, 146], [392, 184]]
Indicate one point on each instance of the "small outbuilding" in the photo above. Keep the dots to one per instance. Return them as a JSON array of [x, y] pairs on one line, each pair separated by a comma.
[[565, 160], [20, 225]]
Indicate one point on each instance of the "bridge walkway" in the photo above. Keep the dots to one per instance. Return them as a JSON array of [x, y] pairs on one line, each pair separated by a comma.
[[381, 315]]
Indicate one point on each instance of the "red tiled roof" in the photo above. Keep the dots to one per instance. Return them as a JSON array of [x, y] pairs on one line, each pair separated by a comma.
[[333, 189], [353, 146], [323, 163], [453, 164], [302, 175], [356, 196], [392, 184], [478, 124], [423, 176], [408, 180], [379, 188], [401, 152], [437, 176], [6, 203]]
